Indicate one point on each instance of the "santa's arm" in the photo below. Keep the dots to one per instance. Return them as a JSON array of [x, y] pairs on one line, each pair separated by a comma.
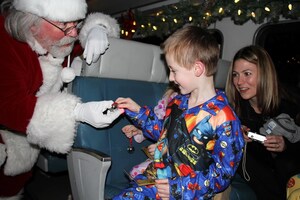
[[99, 19], [53, 123], [93, 36]]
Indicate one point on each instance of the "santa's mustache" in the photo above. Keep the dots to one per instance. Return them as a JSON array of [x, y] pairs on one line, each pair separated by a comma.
[[66, 40], [62, 47]]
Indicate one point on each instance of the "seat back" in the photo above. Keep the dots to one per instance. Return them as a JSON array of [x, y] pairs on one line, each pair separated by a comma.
[[86, 168], [221, 74], [130, 60], [111, 140]]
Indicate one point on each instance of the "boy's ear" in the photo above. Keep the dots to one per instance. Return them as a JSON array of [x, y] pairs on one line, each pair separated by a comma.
[[199, 68]]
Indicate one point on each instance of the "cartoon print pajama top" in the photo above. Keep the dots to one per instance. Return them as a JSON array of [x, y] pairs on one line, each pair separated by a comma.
[[198, 148]]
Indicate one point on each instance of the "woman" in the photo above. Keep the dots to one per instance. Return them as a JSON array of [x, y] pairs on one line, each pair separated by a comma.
[[252, 90]]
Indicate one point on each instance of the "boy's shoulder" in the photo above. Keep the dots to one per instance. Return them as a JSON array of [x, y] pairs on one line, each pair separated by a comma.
[[217, 103]]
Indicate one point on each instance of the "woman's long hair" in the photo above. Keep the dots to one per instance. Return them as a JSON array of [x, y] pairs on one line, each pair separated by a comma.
[[267, 93]]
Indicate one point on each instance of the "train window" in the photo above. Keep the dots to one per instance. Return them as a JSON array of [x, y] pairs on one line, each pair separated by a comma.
[[282, 42]]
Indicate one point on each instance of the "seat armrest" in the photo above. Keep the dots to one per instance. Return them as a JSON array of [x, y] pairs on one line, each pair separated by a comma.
[[87, 173]]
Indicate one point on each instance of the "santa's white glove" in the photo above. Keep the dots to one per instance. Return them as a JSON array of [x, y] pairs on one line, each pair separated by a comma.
[[92, 113], [96, 44]]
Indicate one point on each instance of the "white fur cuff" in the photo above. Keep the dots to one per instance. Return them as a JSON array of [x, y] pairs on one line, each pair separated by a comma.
[[21, 155], [53, 123], [111, 24], [2, 153]]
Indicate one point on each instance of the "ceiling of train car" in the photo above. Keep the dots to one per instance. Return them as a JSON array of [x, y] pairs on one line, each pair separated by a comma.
[[117, 6]]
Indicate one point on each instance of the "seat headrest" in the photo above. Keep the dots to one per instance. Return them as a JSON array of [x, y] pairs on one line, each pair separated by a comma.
[[127, 59], [221, 75]]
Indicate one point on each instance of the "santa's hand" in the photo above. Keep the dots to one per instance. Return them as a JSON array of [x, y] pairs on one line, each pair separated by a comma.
[[92, 113], [96, 44]]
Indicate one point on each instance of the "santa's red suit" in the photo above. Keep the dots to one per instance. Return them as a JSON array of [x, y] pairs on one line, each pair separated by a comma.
[[34, 113]]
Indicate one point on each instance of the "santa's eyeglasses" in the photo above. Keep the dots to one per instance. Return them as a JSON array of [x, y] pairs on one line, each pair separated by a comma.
[[68, 30]]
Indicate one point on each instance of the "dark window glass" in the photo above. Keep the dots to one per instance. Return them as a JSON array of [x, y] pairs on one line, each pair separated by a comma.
[[282, 41]]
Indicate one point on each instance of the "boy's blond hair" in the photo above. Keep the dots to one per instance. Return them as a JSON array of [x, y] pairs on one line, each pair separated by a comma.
[[190, 44]]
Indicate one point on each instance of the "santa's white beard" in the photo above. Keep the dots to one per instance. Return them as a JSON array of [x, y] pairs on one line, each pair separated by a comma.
[[59, 50]]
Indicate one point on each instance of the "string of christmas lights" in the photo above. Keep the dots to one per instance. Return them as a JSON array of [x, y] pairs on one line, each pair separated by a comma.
[[167, 19]]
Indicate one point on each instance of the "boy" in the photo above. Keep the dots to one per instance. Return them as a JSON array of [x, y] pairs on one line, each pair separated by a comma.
[[200, 140]]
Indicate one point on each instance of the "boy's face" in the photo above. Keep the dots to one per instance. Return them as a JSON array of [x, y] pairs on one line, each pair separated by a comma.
[[181, 76]]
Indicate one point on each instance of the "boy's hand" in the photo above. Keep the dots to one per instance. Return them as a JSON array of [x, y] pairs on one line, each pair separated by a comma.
[[130, 131], [163, 188], [128, 103], [151, 149]]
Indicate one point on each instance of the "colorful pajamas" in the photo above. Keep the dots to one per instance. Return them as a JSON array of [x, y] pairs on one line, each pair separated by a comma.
[[198, 148], [160, 111]]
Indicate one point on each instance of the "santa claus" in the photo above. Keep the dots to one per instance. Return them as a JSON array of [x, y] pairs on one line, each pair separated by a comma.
[[36, 37]]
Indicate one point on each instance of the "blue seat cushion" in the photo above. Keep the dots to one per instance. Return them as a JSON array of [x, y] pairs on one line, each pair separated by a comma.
[[240, 189], [111, 140]]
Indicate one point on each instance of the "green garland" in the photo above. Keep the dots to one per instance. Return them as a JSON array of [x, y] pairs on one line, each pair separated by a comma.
[[202, 13]]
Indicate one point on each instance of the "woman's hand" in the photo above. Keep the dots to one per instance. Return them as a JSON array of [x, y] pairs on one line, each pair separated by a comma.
[[275, 143], [130, 131], [245, 131], [127, 103], [163, 188]]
